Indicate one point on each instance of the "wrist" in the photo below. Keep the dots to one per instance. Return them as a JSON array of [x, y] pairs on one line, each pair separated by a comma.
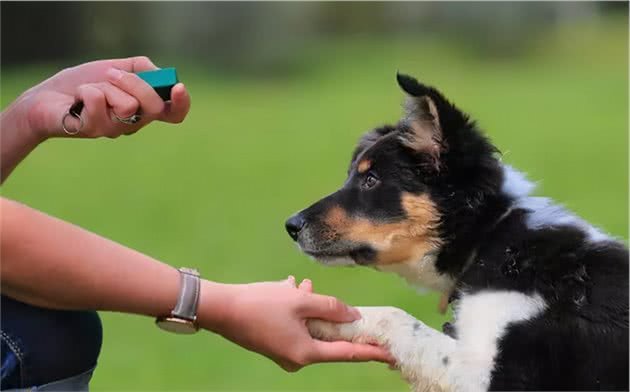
[[17, 118], [34, 111], [216, 310]]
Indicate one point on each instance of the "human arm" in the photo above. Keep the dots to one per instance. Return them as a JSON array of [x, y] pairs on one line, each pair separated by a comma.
[[51, 263]]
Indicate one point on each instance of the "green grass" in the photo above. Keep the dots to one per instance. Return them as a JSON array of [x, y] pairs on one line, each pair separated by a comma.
[[213, 193]]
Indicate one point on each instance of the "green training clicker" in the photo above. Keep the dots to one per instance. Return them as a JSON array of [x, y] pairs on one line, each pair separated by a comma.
[[162, 80]]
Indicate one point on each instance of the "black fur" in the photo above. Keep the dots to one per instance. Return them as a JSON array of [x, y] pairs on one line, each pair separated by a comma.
[[580, 342]]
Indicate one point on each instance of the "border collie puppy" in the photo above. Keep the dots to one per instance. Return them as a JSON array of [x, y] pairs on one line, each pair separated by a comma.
[[539, 296]]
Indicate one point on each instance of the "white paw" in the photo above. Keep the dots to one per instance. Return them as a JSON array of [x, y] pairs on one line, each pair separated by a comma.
[[377, 325], [419, 351]]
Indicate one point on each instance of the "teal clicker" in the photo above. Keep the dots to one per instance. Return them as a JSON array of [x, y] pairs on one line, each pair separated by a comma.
[[162, 80]]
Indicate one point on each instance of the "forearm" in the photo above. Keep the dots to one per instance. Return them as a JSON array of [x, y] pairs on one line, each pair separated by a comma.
[[17, 137], [51, 263]]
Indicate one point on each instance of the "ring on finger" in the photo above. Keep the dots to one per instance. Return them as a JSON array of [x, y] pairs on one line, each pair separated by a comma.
[[128, 120]]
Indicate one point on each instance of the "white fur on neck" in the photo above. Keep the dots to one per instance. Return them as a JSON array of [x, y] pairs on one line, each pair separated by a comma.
[[421, 273], [515, 183], [543, 212]]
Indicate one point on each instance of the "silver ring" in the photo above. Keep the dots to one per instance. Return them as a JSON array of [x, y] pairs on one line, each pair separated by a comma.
[[75, 131], [128, 120]]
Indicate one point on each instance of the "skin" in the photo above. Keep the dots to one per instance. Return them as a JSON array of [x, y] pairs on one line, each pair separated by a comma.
[[95, 273]]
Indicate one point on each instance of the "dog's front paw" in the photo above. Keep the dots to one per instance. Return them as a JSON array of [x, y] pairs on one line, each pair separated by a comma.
[[377, 326]]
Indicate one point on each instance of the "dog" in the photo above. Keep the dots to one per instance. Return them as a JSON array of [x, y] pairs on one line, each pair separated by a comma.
[[539, 296]]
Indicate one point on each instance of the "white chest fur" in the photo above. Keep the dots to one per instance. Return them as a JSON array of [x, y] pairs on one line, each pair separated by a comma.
[[481, 321]]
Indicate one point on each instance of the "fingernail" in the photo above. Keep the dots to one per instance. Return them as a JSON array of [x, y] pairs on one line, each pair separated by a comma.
[[354, 312], [114, 74]]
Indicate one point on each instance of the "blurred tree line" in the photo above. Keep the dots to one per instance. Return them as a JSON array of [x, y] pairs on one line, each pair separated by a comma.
[[260, 36]]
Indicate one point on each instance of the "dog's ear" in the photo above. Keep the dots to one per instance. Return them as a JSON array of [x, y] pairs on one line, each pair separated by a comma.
[[369, 139], [429, 118]]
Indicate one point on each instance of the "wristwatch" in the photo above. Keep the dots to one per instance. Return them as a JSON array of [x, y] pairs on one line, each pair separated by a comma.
[[183, 318]]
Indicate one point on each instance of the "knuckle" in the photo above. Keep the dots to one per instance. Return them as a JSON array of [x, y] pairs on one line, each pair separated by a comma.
[[142, 59], [129, 106], [94, 99], [129, 78], [83, 89]]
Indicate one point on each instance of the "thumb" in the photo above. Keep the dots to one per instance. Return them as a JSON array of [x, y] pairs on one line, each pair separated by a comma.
[[354, 352], [328, 308]]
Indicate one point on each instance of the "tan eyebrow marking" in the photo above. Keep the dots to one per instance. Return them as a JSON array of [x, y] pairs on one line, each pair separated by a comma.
[[364, 166]]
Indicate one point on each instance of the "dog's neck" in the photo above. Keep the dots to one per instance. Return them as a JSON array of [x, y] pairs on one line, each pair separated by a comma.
[[421, 274]]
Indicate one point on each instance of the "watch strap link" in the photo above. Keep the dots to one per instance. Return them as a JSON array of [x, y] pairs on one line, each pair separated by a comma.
[[186, 307]]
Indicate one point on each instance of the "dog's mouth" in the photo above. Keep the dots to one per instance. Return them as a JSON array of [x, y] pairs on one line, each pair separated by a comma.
[[359, 255]]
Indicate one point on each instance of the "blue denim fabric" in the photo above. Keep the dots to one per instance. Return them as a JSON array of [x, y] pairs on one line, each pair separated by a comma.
[[41, 348], [78, 383]]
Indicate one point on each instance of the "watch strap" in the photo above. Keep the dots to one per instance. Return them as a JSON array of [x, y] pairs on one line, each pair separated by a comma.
[[186, 307]]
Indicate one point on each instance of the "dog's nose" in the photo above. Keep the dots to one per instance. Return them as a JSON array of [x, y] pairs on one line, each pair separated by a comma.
[[294, 225]]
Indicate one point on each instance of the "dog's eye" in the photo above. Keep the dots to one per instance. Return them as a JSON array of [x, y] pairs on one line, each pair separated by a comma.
[[370, 181]]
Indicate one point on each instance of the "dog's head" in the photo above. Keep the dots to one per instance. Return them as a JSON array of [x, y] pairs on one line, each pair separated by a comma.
[[407, 187]]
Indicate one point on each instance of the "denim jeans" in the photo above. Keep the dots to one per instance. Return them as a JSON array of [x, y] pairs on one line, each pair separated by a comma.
[[46, 349]]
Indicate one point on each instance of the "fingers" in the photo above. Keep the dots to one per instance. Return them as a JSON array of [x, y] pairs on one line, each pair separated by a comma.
[[349, 352], [122, 75], [290, 281], [306, 285], [177, 109], [95, 108], [122, 104], [100, 100], [150, 102], [142, 63], [328, 308]]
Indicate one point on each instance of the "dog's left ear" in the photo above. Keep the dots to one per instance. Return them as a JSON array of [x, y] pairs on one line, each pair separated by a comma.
[[429, 118]]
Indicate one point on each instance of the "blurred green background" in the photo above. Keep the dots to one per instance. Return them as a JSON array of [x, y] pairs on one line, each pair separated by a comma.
[[280, 93]]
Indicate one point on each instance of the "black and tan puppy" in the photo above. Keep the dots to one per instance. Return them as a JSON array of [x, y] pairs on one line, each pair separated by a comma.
[[540, 297]]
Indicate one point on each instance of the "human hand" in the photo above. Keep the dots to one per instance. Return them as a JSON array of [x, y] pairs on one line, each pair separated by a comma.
[[270, 318], [107, 88]]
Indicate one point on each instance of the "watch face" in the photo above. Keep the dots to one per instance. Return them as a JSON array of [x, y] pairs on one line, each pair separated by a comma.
[[177, 325]]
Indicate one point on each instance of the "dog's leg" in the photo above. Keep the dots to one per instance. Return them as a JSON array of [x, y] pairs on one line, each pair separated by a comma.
[[424, 355]]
